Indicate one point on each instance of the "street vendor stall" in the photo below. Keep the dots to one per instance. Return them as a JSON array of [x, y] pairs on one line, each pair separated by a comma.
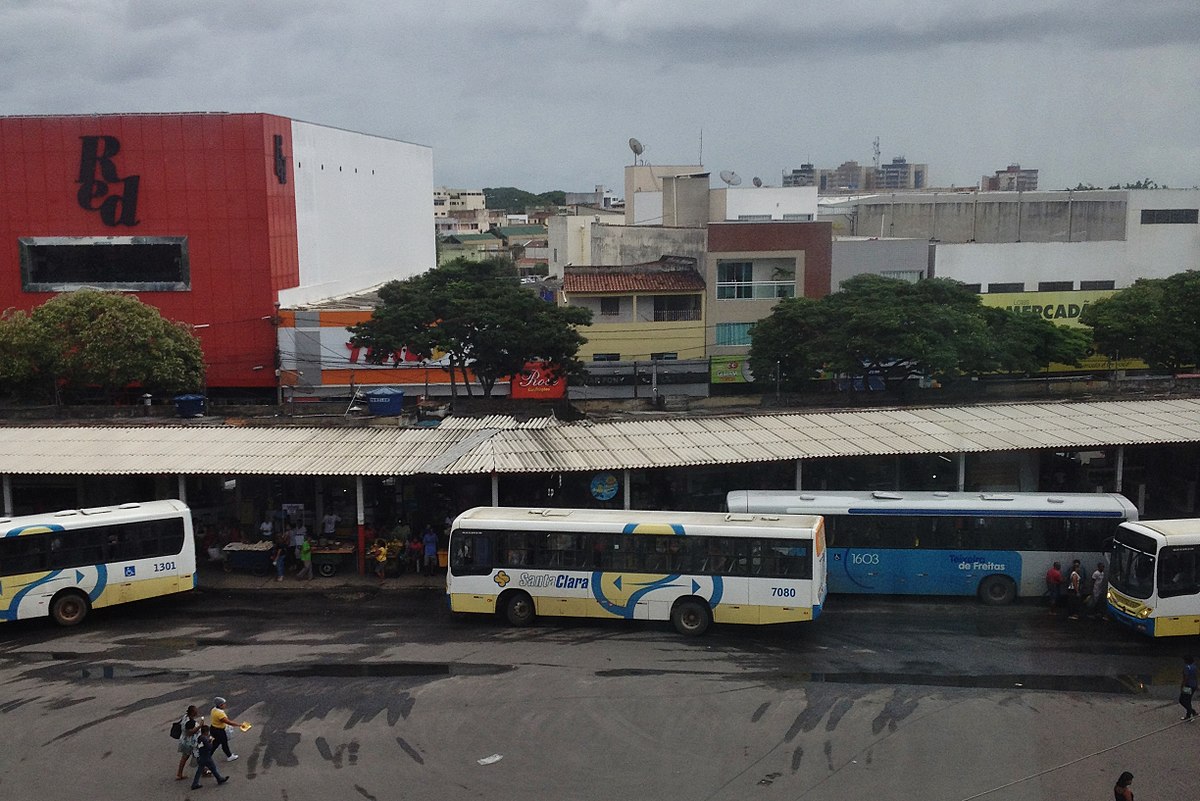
[[254, 557], [328, 559]]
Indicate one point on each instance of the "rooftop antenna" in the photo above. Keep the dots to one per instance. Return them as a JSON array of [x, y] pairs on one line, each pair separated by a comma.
[[730, 177], [638, 149], [757, 181]]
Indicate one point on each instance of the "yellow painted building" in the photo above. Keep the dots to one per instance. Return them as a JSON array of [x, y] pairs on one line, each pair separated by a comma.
[[640, 312]]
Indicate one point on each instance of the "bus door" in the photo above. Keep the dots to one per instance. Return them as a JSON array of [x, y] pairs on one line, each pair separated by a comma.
[[1178, 584]]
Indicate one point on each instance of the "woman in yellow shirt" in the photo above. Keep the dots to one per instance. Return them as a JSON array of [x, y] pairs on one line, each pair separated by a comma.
[[218, 721]]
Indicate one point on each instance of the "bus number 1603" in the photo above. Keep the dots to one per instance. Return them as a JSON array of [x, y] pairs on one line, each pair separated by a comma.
[[783, 592]]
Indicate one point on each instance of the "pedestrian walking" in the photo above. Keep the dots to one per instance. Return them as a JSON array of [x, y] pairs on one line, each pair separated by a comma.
[[305, 560], [1075, 591], [1122, 790], [219, 722], [1187, 688], [187, 745], [429, 541], [190, 722], [1099, 590], [1054, 585], [206, 746]]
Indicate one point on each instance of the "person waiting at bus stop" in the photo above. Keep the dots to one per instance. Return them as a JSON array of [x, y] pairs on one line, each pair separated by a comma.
[[429, 540], [1054, 585]]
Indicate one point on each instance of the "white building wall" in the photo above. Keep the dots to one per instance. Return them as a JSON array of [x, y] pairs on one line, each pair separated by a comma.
[[1032, 262], [1148, 251], [1163, 250], [775, 201], [362, 211]]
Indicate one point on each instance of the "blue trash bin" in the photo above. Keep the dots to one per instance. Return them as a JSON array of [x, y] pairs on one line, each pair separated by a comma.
[[190, 405], [385, 401]]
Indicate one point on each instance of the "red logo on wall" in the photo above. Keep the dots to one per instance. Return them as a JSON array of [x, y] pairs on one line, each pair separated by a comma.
[[97, 176], [538, 381]]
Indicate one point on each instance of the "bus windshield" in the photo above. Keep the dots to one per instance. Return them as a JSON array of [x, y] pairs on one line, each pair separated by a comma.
[[1131, 570]]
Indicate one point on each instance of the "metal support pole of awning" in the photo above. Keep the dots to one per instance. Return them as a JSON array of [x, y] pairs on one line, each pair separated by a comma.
[[8, 504], [182, 487], [627, 490], [962, 472], [361, 505], [799, 474], [1120, 468], [495, 489]]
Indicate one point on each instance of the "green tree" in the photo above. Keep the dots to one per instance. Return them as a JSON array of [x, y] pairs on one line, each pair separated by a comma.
[[477, 314], [893, 329], [90, 340], [896, 329], [1026, 343], [1156, 320], [784, 346]]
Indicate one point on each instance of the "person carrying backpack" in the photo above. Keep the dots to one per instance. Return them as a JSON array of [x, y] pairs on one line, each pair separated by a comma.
[[190, 722]]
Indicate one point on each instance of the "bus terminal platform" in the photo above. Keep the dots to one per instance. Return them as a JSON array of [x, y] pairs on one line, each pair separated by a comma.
[[213, 576]]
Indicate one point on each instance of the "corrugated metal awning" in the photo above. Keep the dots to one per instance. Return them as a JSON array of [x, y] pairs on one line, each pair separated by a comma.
[[463, 446]]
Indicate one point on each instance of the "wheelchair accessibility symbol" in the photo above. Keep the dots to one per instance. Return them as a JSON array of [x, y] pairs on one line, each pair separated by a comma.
[[130, 570]]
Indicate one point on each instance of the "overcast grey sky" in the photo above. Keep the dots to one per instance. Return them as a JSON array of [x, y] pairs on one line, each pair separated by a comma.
[[545, 94]]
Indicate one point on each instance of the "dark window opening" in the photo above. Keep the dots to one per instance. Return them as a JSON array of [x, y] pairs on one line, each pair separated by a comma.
[[1055, 286], [610, 307], [1097, 284], [1006, 287], [148, 264], [1170, 216]]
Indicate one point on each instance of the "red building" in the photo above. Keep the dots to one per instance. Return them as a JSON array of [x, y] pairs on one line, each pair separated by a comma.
[[198, 215]]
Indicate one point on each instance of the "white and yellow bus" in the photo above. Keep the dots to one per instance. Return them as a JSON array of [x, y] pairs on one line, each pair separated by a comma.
[[691, 568], [63, 564], [1154, 577]]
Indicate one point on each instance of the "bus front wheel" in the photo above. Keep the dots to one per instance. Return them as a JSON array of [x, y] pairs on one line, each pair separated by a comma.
[[997, 590], [691, 618], [69, 608], [519, 609]]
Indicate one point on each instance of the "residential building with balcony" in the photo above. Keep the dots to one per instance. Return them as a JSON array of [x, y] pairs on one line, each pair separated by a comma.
[[749, 267], [640, 312]]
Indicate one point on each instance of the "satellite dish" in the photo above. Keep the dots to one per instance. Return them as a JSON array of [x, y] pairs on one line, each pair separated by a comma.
[[757, 181], [730, 177], [637, 147]]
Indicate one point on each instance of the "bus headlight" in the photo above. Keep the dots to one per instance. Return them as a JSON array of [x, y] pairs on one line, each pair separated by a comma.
[[1144, 612]]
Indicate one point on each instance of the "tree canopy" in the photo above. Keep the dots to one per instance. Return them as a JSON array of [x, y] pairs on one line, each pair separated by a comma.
[[478, 315], [894, 330], [516, 201], [1156, 320], [87, 341]]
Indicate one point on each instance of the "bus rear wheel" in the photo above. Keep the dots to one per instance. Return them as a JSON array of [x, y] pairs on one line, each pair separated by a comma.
[[997, 590], [691, 618], [519, 609], [69, 608]]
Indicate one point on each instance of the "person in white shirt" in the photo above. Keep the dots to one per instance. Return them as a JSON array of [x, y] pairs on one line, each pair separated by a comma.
[[329, 524]]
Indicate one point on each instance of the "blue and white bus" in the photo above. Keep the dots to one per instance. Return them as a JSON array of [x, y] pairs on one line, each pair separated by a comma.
[[997, 546]]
